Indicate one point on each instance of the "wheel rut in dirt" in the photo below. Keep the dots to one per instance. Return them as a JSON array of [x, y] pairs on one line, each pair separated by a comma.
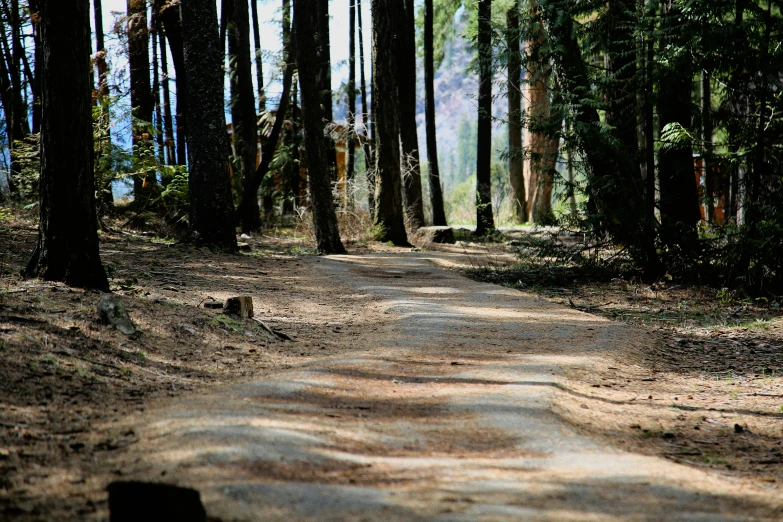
[[444, 413]]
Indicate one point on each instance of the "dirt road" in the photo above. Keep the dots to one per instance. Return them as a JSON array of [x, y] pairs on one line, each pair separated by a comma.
[[445, 413]]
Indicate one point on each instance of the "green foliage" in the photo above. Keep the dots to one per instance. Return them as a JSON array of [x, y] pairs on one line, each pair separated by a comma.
[[27, 155], [175, 194]]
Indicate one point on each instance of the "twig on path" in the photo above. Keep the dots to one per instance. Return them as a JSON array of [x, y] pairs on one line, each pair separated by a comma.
[[274, 333]]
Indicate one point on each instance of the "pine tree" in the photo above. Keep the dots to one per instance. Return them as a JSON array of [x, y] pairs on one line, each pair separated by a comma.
[[67, 247]]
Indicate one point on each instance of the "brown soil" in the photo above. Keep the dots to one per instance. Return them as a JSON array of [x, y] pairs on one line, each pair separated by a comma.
[[707, 390], [70, 386]]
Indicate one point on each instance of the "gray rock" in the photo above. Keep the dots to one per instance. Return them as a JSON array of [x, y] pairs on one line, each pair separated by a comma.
[[112, 312]]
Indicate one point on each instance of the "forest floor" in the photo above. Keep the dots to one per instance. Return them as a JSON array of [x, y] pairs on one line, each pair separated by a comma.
[[701, 385]]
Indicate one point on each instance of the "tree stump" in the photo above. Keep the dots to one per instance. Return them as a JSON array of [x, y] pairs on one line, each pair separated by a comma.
[[240, 306]]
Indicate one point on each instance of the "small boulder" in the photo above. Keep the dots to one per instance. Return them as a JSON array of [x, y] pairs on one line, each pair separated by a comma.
[[439, 234], [113, 313]]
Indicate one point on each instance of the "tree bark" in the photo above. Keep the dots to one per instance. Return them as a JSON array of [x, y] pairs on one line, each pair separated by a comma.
[[406, 56], [170, 16], [248, 206], [211, 207], [369, 157], [324, 78], [351, 141], [154, 29], [259, 61], [67, 248], [389, 220], [679, 198], [142, 102], [485, 221], [168, 122], [515, 153], [243, 104], [706, 136], [543, 141], [436, 192], [327, 234], [105, 191], [36, 86]]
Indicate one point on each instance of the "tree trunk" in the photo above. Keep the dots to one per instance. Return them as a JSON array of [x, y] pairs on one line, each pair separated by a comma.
[[351, 141], [369, 158], [170, 16], [706, 136], [243, 103], [515, 153], [485, 221], [36, 86], [16, 118], [543, 140], [259, 61], [327, 234], [679, 198], [105, 192], [154, 29], [168, 123], [248, 206], [142, 102], [67, 248], [406, 56], [325, 78], [648, 132], [211, 208], [436, 192], [389, 220]]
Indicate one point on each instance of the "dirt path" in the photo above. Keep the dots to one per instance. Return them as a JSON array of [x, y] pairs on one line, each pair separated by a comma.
[[444, 412]]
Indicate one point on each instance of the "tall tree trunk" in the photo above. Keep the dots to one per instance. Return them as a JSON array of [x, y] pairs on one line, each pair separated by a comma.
[[485, 221], [327, 234], [369, 158], [17, 117], [706, 136], [6, 98], [248, 206], [243, 103], [154, 29], [543, 140], [516, 176], [436, 192], [649, 129], [259, 61], [170, 16], [389, 221], [406, 56], [679, 198], [100, 50], [142, 102], [105, 191], [325, 77], [36, 85], [349, 172], [67, 248], [211, 208], [168, 122]]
